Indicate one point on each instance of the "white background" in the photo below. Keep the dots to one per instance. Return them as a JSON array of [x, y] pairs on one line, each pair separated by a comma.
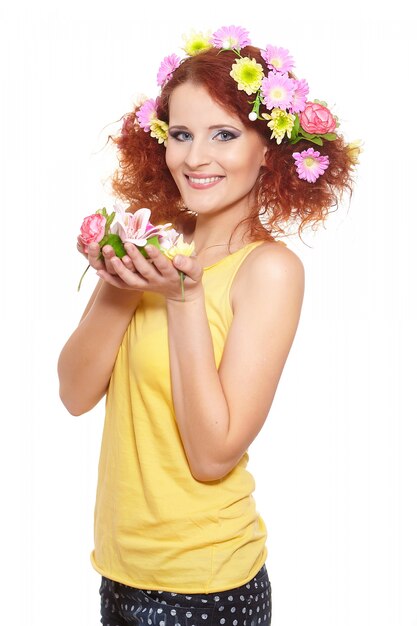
[[336, 463]]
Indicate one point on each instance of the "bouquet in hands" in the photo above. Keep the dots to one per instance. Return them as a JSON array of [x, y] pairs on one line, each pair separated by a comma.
[[121, 227]]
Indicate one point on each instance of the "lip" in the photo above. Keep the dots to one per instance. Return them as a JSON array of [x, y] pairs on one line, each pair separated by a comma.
[[207, 186]]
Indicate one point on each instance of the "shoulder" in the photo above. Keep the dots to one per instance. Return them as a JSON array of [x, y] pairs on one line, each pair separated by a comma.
[[269, 267]]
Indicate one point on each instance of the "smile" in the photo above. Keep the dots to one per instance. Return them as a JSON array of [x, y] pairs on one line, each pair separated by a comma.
[[203, 183]]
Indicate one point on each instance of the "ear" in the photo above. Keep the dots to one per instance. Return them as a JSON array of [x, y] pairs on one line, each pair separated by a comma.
[[265, 150]]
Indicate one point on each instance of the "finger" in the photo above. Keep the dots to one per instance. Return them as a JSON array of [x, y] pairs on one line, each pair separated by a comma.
[[131, 278], [161, 262], [93, 256], [81, 247], [188, 265], [111, 279], [143, 266], [108, 254]]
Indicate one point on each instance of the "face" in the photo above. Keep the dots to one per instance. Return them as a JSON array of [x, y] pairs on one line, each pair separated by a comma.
[[213, 158]]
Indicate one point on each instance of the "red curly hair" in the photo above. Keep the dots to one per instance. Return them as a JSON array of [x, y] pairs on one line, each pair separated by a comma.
[[282, 198]]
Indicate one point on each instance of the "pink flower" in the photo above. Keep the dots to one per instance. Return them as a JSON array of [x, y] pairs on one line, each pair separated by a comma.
[[230, 37], [146, 114], [316, 119], [277, 90], [135, 227], [168, 66], [92, 229], [300, 96], [277, 59], [310, 164]]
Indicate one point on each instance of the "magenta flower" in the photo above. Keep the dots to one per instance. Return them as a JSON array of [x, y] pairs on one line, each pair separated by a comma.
[[230, 37], [300, 96], [277, 59], [310, 164], [146, 114], [278, 90], [168, 66]]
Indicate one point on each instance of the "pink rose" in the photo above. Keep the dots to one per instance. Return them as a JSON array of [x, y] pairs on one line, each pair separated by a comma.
[[92, 229], [316, 119]]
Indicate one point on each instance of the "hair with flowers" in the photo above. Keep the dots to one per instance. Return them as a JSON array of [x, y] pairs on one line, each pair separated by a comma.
[[308, 164]]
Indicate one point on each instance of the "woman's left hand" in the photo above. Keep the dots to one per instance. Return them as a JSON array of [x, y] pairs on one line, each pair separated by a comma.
[[158, 273]]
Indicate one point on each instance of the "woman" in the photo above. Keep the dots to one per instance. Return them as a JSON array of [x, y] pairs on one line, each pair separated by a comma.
[[190, 377]]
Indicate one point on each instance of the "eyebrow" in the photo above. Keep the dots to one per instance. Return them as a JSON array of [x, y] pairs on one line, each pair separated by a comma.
[[216, 126]]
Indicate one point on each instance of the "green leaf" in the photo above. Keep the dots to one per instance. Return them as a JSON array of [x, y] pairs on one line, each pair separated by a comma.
[[330, 136], [109, 219], [316, 140], [153, 241], [116, 243], [296, 125]]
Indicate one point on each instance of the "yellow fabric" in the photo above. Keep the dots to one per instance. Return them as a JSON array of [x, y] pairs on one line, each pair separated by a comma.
[[156, 527]]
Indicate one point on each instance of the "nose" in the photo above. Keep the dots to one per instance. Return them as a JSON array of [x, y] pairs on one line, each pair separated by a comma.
[[198, 153]]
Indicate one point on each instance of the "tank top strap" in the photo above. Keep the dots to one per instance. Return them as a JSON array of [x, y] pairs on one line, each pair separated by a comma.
[[218, 279]]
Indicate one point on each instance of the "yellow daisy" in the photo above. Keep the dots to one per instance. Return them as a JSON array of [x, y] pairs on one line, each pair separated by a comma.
[[248, 74]]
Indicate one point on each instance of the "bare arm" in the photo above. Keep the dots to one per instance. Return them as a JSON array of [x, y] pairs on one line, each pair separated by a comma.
[[86, 362], [219, 413]]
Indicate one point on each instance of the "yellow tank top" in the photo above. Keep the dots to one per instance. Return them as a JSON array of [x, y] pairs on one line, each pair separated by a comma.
[[155, 526]]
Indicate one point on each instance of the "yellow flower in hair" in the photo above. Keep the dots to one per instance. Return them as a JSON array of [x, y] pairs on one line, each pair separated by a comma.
[[159, 130], [196, 43], [354, 149], [280, 123], [248, 74]]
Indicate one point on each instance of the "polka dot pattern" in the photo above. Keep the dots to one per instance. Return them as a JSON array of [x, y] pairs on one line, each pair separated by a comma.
[[248, 605]]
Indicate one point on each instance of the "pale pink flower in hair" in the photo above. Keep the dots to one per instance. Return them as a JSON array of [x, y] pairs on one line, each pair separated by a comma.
[[300, 96], [278, 90], [277, 59], [317, 119], [146, 114], [230, 37], [167, 68], [310, 164]]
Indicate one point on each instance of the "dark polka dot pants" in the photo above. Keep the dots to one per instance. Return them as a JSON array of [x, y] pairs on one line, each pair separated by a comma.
[[248, 605]]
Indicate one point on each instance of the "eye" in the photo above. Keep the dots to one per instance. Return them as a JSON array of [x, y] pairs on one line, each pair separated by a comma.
[[225, 135], [180, 135]]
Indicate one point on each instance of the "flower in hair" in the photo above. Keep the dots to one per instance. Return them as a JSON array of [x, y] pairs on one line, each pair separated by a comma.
[[277, 59], [300, 96], [196, 43], [316, 118], [248, 74], [146, 114], [354, 150], [286, 111], [227, 37], [159, 130], [281, 124], [168, 66], [310, 164], [278, 90]]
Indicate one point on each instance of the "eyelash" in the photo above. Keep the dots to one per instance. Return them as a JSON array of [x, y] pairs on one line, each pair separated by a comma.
[[176, 135]]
